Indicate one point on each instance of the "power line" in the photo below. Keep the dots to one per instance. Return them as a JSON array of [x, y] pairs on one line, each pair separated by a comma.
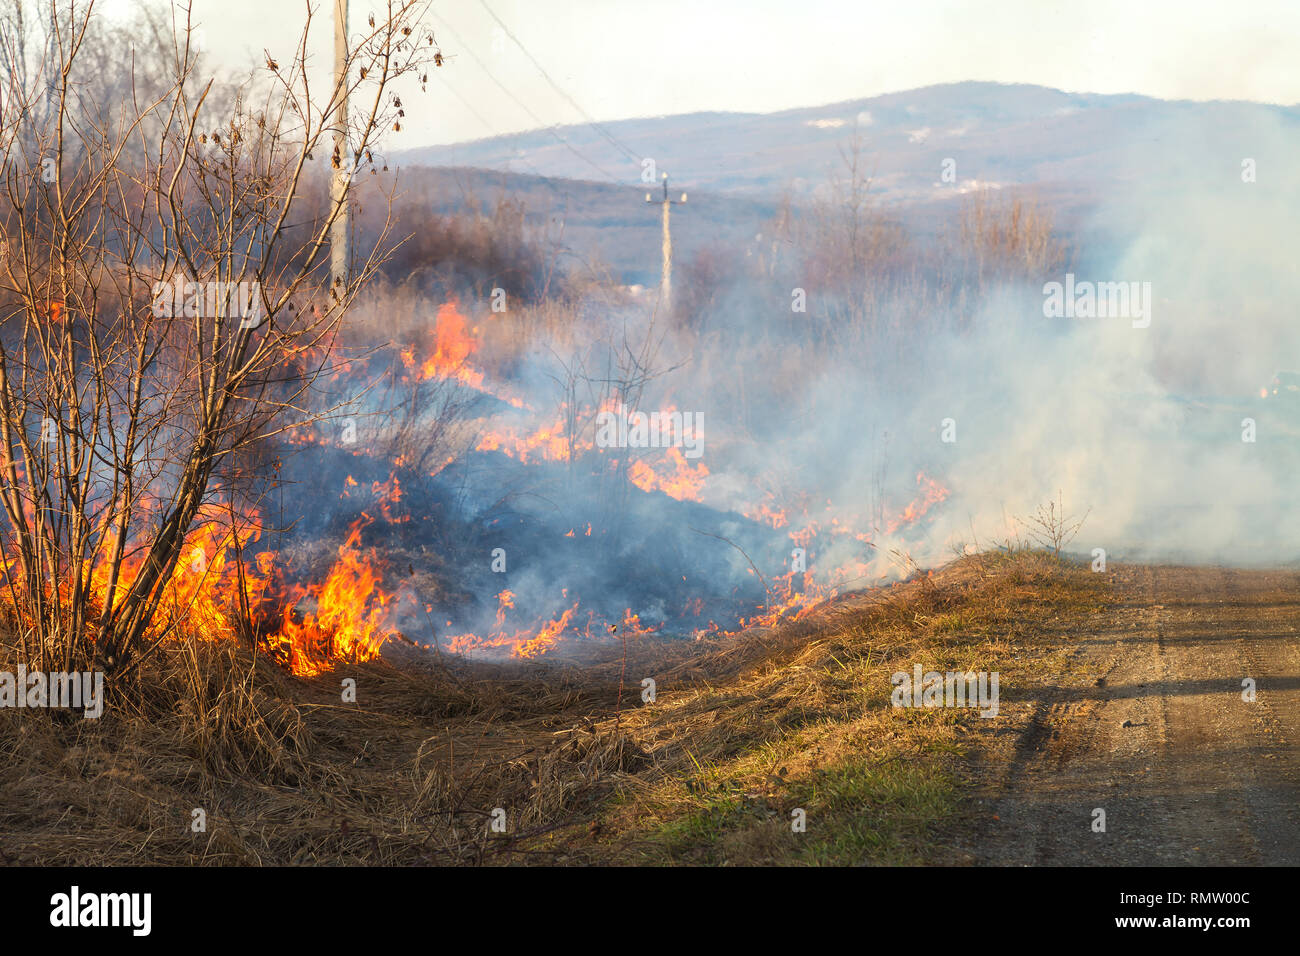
[[468, 105], [536, 119], [610, 137], [479, 116]]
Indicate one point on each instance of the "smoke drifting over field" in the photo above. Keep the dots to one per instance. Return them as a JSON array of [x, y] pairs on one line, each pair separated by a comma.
[[852, 418], [1144, 427]]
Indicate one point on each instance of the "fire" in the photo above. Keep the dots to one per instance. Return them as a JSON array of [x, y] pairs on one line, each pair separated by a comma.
[[388, 495], [524, 643], [453, 344], [348, 615], [794, 595], [213, 583], [765, 513], [682, 482], [931, 494], [790, 604], [200, 591], [532, 642], [351, 610], [507, 600], [672, 473], [630, 625], [546, 637], [549, 442]]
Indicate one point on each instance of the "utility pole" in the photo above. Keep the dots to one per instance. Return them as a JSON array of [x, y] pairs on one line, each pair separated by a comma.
[[666, 283], [340, 253]]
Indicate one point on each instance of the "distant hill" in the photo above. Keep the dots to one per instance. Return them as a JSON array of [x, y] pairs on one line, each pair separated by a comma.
[[1070, 149], [997, 133]]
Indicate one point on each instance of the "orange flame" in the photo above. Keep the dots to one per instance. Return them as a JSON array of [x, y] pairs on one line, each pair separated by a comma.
[[351, 609]]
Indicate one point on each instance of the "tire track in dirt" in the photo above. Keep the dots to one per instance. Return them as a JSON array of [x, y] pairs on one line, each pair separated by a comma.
[[1274, 781], [1203, 815], [1150, 726]]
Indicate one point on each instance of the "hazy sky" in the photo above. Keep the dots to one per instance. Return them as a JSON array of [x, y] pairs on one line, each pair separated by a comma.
[[628, 58]]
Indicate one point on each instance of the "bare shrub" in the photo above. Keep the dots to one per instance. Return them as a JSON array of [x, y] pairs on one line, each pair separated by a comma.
[[1008, 237], [152, 292], [1051, 528]]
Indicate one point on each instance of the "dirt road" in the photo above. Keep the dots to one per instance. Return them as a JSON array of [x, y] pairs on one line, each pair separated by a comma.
[[1149, 725]]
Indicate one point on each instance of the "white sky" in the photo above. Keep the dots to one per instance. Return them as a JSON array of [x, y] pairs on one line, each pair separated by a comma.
[[626, 58]]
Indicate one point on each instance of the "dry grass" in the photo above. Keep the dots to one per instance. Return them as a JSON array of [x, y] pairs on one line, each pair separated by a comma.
[[744, 729]]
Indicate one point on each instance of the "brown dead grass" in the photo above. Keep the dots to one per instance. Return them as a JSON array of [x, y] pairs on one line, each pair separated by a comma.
[[744, 729]]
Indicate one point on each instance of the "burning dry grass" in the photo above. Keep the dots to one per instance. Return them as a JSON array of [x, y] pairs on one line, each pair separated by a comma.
[[744, 729]]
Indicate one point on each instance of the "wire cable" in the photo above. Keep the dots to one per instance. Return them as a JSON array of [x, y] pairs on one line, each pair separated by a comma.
[[609, 137], [535, 118]]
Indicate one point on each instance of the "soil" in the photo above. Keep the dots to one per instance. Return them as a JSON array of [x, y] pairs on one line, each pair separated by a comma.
[[1149, 724]]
